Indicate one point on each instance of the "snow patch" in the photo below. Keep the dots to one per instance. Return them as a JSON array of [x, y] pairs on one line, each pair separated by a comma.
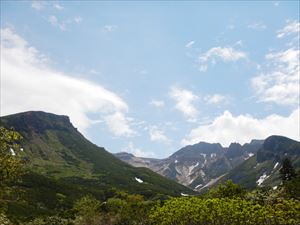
[[185, 195], [275, 187], [21, 149], [261, 179], [276, 165], [139, 180], [200, 185], [204, 155], [212, 155], [176, 161], [193, 167], [12, 152], [250, 154]]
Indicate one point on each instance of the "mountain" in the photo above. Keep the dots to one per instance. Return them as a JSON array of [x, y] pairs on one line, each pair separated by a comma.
[[55, 149], [197, 165], [262, 169]]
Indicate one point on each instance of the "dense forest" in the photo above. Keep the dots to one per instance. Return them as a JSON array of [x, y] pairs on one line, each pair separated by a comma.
[[227, 203]]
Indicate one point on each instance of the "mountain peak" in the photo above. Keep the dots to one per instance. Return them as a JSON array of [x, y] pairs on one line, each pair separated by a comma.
[[37, 121], [275, 146]]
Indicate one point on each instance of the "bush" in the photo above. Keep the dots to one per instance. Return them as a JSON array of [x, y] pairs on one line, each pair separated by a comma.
[[224, 211]]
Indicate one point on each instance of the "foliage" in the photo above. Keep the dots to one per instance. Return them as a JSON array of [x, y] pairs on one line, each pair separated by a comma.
[[10, 162], [4, 220], [287, 171], [87, 210], [291, 188], [51, 220], [129, 209], [222, 211], [227, 190]]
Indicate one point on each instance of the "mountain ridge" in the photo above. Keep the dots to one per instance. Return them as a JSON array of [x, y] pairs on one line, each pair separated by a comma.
[[55, 148], [198, 164]]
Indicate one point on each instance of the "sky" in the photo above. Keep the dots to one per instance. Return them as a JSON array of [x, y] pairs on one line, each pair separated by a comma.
[[149, 77]]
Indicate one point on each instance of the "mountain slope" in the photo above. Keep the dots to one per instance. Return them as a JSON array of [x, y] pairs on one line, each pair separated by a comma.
[[263, 168], [199, 164], [54, 148]]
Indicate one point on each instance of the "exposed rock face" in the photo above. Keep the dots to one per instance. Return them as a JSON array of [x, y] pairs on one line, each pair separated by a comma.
[[197, 165]]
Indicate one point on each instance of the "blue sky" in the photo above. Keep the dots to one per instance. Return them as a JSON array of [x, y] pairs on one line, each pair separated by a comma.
[[151, 77]]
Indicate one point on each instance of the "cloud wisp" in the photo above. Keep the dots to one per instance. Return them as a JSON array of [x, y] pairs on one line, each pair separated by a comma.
[[225, 54], [190, 44], [279, 83], [63, 25], [257, 26], [292, 27], [185, 100], [158, 135], [215, 99], [29, 83], [38, 5], [157, 103], [130, 148], [109, 28]]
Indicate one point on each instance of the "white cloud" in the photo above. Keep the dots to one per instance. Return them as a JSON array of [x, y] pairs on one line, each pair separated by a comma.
[[157, 103], [130, 148], [93, 71], [184, 102], [190, 44], [77, 19], [118, 124], [158, 135], [281, 84], [292, 27], [58, 6], [109, 28], [28, 83], [38, 5], [257, 26], [62, 25], [227, 128], [226, 54], [215, 99]]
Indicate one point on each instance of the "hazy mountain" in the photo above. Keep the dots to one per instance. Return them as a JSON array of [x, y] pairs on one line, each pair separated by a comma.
[[54, 148]]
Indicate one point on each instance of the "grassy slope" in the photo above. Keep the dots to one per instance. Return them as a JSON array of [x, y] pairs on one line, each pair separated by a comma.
[[274, 150], [62, 161]]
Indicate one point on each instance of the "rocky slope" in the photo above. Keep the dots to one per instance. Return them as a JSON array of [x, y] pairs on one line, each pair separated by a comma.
[[197, 165]]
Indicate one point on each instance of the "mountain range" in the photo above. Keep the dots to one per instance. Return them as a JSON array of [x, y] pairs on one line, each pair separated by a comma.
[[54, 149], [203, 165]]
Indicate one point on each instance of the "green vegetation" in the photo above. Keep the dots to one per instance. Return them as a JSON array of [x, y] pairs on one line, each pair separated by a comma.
[[70, 181], [10, 161], [225, 204], [287, 171], [56, 150]]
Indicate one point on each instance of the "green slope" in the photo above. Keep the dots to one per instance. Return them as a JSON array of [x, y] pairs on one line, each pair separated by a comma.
[[267, 161], [55, 149]]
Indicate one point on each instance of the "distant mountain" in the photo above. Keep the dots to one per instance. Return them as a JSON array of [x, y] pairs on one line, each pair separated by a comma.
[[263, 168], [197, 165], [55, 149]]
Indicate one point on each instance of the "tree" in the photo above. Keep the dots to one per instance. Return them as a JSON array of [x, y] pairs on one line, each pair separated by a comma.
[[287, 170], [10, 161], [88, 211], [227, 190]]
